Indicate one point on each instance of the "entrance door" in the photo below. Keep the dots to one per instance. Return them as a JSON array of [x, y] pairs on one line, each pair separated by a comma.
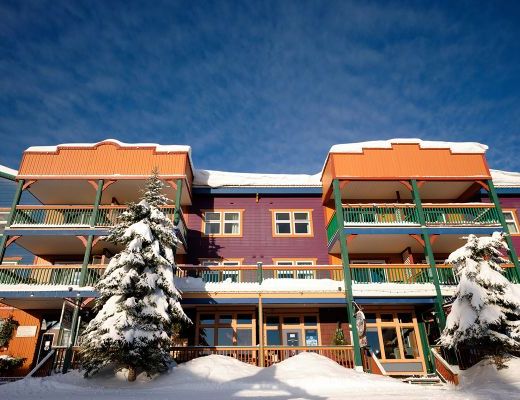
[[45, 346], [292, 338]]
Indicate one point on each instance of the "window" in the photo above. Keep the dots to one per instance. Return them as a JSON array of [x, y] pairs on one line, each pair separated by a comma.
[[222, 223], [511, 221], [226, 329], [292, 330], [3, 220], [393, 335], [216, 274], [294, 273], [292, 223]]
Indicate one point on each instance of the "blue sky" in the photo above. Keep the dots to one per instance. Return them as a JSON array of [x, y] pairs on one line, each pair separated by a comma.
[[259, 85]]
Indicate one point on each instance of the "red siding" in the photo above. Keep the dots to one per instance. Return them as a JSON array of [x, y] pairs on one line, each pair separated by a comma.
[[257, 242]]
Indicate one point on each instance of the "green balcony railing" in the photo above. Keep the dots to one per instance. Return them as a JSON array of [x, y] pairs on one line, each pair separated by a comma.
[[361, 273], [52, 215], [80, 216], [332, 228], [380, 214], [407, 214], [48, 274], [460, 214]]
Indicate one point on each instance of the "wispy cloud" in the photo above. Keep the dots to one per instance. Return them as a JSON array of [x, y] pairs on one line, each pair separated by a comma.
[[259, 86]]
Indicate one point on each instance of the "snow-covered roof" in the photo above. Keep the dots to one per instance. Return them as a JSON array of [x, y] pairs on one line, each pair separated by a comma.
[[8, 171], [163, 148], [505, 179], [455, 147], [160, 148], [203, 177]]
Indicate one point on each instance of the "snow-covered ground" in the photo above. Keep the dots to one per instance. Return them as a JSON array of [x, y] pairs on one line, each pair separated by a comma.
[[305, 376]]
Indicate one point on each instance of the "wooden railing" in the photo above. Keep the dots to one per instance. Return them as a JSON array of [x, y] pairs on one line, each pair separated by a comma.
[[343, 355], [361, 273], [49, 274], [44, 367], [69, 216], [443, 369], [248, 355], [59, 358]]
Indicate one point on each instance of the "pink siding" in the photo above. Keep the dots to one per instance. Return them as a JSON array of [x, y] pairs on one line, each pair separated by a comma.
[[257, 243], [513, 202]]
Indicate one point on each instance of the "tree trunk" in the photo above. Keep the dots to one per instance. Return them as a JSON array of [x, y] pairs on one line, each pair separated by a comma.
[[131, 373]]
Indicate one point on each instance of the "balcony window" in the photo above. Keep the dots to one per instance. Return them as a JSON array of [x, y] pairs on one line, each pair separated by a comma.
[[511, 221], [222, 223], [292, 223], [294, 273]]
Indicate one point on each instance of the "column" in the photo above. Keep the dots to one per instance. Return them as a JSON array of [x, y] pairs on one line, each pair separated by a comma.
[[347, 277], [16, 200], [512, 251], [441, 317]]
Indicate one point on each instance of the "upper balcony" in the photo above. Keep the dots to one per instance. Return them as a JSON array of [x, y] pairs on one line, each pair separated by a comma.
[[69, 174], [53, 218], [358, 216]]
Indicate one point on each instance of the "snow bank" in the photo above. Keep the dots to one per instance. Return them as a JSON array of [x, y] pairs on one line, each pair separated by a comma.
[[304, 376], [8, 171], [486, 382], [505, 178], [203, 177], [311, 285], [455, 147]]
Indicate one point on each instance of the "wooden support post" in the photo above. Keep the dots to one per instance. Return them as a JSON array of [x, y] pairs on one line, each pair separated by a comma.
[[178, 197], [347, 277], [86, 260], [99, 192], [10, 218], [259, 272], [441, 317], [261, 356], [425, 347], [511, 251]]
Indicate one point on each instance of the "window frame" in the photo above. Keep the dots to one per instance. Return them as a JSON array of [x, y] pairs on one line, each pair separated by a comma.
[[300, 327], [222, 222], [281, 273], [234, 324], [380, 324], [292, 222], [513, 220]]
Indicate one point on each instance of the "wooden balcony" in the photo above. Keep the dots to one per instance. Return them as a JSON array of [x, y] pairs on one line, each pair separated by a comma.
[[49, 275], [65, 216], [436, 215]]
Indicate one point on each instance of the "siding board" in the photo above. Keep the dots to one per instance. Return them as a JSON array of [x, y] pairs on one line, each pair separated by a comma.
[[257, 243]]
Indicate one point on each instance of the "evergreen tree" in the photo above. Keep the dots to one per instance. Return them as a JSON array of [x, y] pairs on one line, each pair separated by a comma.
[[486, 310], [139, 303], [339, 336]]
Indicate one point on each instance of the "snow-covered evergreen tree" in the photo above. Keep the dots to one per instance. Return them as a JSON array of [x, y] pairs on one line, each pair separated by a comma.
[[486, 310], [139, 303]]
